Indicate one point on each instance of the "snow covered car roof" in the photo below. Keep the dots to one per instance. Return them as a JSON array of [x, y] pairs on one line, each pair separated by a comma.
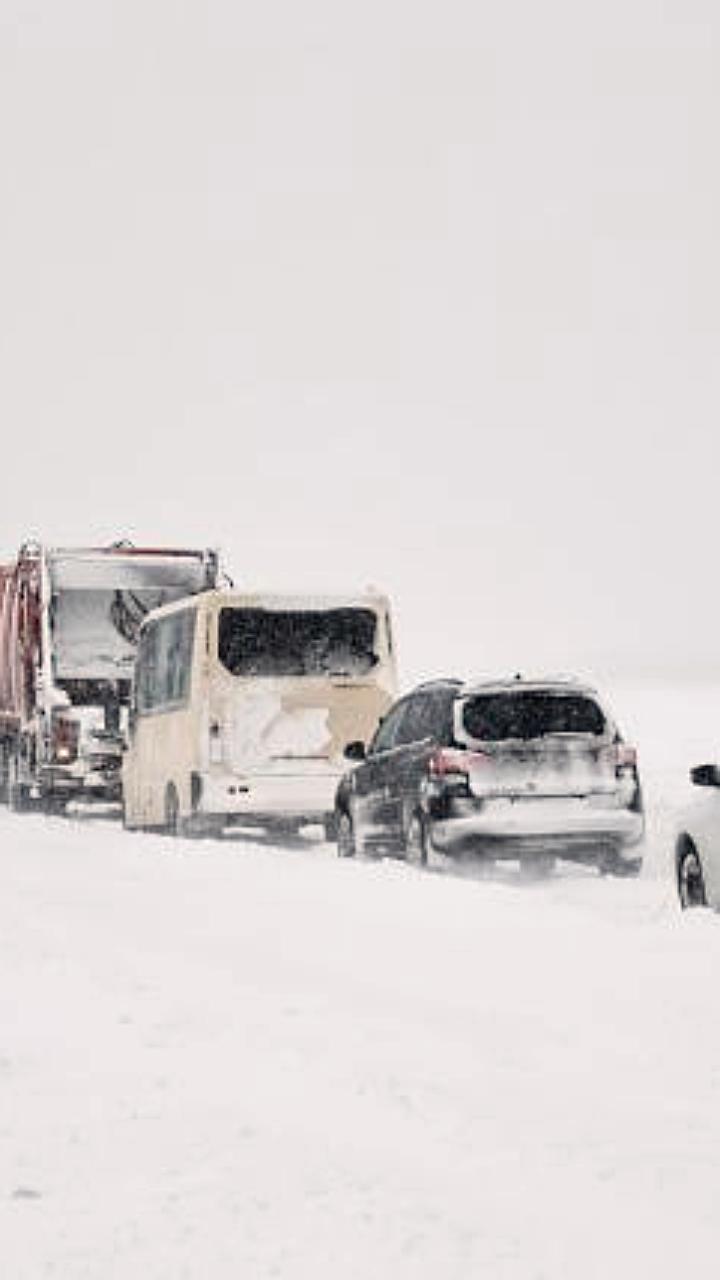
[[562, 683]]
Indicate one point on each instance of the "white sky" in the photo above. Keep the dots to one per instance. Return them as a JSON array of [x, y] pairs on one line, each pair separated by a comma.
[[414, 294]]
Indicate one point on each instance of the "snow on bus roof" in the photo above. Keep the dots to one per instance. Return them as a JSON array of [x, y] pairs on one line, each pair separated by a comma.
[[278, 601]]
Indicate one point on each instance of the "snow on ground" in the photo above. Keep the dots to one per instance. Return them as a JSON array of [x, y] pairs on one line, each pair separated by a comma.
[[237, 1060]]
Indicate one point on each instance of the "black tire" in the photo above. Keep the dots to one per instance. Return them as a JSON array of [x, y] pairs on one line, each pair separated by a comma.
[[18, 793], [345, 836], [536, 866], [330, 827], [55, 806], [626, 869], [690, 878], [611, 863], [416, 840], [19, 798], [172, 811], [202, 827]]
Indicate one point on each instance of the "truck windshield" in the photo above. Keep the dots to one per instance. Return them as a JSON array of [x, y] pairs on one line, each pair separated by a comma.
[[532, 713], [271, 642]]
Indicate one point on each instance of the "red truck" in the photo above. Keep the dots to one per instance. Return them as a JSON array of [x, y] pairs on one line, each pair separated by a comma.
[[69, 619]]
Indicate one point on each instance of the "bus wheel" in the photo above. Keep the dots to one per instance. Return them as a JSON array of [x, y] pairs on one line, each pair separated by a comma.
[[172, 811]]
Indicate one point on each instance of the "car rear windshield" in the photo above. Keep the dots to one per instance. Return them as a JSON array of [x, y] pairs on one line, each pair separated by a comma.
[[530, 713], [271, 642]]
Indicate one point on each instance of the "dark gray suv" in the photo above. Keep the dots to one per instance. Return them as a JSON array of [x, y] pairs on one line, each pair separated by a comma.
[[522, 769]]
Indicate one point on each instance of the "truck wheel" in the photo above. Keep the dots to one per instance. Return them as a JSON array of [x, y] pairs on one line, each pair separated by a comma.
[[18, 792], [54, 805], [19, 797]]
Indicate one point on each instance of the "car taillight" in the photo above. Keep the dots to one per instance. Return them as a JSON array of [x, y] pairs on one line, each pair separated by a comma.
[[625, 757], [621, 757], [65, 740], [624, 760], [451, 767], [446, 762]]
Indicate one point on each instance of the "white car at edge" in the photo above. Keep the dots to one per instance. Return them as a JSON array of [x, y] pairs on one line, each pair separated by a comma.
[[697, 847]]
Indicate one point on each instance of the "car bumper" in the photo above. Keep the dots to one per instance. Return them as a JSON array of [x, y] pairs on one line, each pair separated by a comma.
[[522, 826]]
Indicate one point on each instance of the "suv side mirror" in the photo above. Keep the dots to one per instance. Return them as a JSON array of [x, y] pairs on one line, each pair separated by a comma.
[[705, 775], [355, 751]]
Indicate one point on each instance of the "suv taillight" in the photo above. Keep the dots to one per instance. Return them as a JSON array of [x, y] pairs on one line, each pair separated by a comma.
[[451, 767], [625, 757]]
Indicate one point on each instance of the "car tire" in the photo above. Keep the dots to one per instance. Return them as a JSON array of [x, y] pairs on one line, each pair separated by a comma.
[[690, 878], [611, 863], [536, 866], [416, 840], [330, 827], [345, 836], [626, 869]]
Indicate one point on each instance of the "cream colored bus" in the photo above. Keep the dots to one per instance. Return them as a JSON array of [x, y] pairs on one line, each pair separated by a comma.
[[243, 704]]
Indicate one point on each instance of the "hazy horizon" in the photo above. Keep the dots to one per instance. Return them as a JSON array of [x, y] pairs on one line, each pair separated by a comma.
[[421, 298]]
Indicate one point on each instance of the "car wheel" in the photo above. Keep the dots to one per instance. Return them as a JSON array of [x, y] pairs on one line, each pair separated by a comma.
[[535, 866], [416, 841], [330, 827], [626, 869], [691, 882], [610, 863], [345, 836]]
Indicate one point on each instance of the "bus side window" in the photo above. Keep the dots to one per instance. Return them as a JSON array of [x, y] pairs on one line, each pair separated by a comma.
[[146, 664]]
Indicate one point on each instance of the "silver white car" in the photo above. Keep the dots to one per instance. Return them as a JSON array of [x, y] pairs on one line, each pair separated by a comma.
[[697, 847]]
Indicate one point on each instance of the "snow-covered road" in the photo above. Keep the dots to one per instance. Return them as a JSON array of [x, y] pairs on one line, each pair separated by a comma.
[[229, 1060]]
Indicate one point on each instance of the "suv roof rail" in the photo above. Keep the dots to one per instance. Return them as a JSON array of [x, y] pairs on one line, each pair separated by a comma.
[[552, 679], [441, 681]]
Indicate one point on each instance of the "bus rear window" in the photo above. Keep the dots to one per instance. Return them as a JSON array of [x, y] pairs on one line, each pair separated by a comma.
[[272, 642]]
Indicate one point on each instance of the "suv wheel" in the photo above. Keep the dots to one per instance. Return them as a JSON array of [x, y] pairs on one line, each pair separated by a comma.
[[416, 841], [691, 882], [535, 866], [345, 836]]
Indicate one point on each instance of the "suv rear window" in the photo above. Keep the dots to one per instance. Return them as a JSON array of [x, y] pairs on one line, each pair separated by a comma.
[[530, 713]]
